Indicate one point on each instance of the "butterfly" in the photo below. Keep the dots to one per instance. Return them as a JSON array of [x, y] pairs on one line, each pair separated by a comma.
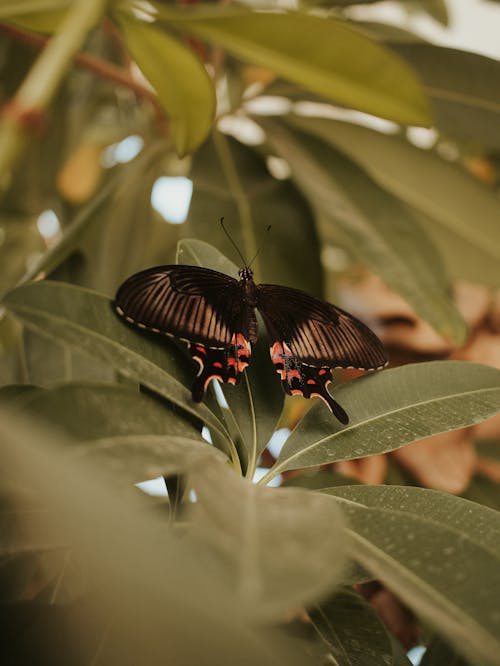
[[215, 314]]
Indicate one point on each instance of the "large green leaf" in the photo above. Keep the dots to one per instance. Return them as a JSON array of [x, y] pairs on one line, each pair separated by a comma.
[[393, 408], [257, 402], [371, 223], [447, 194], [325, 55], [481, 524], [352, 631], [86, 321], [87, 411], [439, 571], [280, 548], [181, 81], [232, 181], [462, 89]]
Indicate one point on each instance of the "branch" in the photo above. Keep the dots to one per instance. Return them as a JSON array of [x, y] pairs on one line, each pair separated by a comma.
[[98, 66]]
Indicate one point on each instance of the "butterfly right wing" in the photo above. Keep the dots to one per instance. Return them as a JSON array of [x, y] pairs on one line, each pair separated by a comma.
[[197, 305], [311, 337]]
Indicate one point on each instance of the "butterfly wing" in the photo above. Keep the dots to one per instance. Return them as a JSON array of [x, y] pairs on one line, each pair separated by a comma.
[[311, 337], [200, 306]]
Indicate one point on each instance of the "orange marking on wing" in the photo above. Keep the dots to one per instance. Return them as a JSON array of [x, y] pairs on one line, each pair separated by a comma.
[[232, 380], [296, 392], [217, 364], [322, 371], [311, 381], [291, 374]]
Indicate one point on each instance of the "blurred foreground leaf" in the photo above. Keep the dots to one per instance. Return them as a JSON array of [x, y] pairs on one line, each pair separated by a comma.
[[280, 548], [145, 588]]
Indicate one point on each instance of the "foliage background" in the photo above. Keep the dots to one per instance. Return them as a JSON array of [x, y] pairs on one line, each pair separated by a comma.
[[304, 119]]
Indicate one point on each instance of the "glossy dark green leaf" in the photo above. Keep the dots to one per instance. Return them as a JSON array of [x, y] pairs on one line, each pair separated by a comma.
[[351, 630], [86, 321], [393, 408], [232, 181], [374, 225], [324, 55], [180, 79]]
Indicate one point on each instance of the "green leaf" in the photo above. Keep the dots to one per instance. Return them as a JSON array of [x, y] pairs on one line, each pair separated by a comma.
[[181, 81], [371, 223], [88, 411], [480, 524], [393, 408], [438, 652], [86, 321], [232, 181], [263, 540], [484, 490], [462, 89], [257, 402], [450, 197], [324, 55], [352, 631], [440, 572]]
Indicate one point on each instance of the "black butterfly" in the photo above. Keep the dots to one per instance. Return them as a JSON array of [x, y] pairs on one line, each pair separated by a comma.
[[215, 315]]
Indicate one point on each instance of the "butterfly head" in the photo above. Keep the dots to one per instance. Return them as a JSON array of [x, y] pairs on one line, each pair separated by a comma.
[[246, 274]]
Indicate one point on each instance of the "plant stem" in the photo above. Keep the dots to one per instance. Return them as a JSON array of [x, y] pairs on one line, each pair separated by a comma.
[[268, 476], [25, 110], [239, 195], [94, 64]]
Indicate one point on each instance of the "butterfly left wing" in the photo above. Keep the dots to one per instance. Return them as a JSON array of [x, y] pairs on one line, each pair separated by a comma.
[[311, 337], [200, 306]]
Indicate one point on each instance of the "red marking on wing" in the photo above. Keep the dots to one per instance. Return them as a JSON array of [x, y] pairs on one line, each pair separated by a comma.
[[216, 364], [201, 349], [311, 381]]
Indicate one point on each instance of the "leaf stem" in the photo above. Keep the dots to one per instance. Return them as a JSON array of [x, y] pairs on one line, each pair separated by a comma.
[[240, 197], [268, 476], [25, 111], [91, 63]]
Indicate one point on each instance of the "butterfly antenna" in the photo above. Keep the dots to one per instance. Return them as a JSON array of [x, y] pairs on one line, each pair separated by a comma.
[[232, 241], [261, 246]]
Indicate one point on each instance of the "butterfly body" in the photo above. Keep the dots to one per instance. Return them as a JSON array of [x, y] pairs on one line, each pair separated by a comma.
[[215, 314]]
